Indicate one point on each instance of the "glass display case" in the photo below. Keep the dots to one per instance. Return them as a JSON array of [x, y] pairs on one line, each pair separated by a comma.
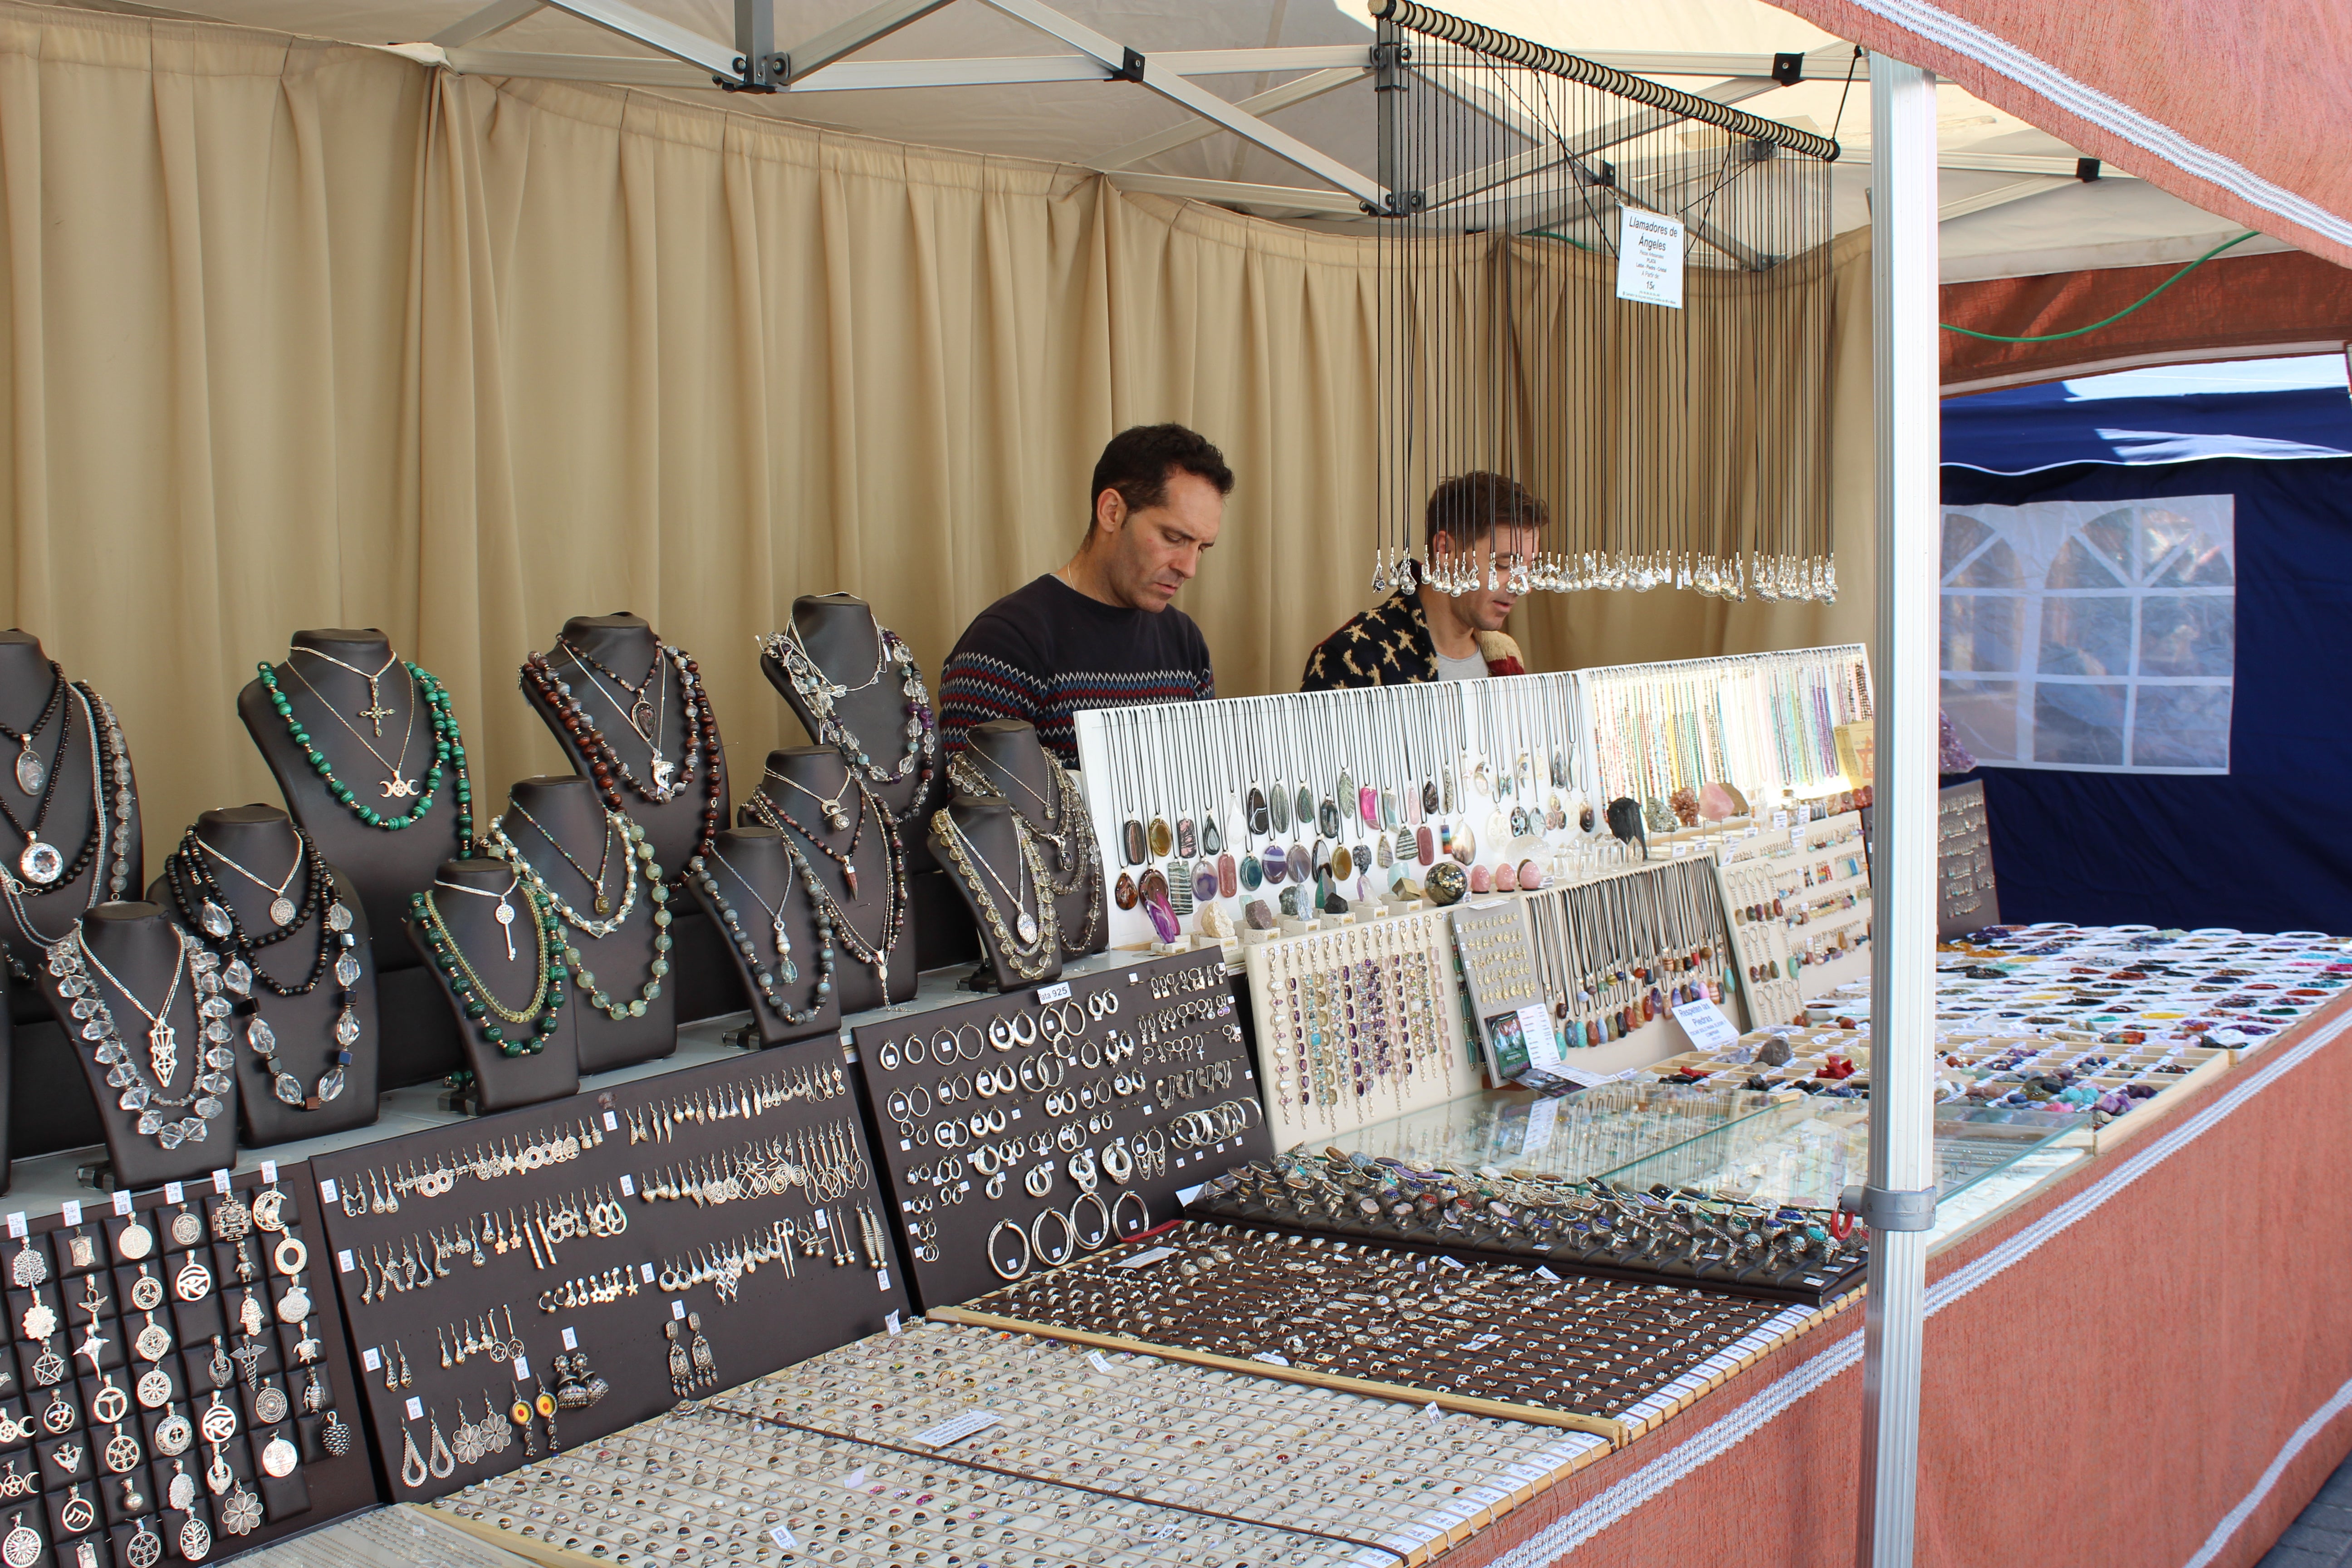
[[1571, 1136], [1806, 1151]]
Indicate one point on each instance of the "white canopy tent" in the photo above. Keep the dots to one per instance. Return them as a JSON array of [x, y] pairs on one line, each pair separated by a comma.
[[2012, 199]]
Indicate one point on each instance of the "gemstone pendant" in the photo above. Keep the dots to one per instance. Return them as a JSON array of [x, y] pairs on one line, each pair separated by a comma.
[[236, 978], [1212, 841], [1027, 925], [262, 1038], [347, 971], [604, 902], [41, 862], [30, 773], [1122, 892], [281, 909], [1277, 805], [783, 938], [339, 919]]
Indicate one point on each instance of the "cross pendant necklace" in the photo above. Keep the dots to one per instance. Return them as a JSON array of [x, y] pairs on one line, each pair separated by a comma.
[[375, 712]]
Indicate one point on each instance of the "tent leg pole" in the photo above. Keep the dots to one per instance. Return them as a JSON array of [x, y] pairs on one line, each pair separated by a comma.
[[1902, 848]]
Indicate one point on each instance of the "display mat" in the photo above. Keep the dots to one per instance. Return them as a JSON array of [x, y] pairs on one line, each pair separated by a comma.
[[1493, 1338], [1606, 1229], [537, 1252], [1968, 896], [1128, 1084], [244, 1351], [1069, 1455]]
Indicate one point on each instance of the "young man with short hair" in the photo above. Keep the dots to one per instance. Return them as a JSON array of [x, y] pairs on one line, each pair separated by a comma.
[[1102, 631], [1487, 526]]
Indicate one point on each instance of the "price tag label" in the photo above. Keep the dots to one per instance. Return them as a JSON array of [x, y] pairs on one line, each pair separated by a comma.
[[1703, 1023], [854, 1479], [220, 1181], [820, 1219], [1145, 1258], [17, 1224], [1271, 1358], [416, 1408], [1057, 993], [270, 1172], [1433, 1412], [343, 1264], [522, 1369], [678, 1310], [1537, 1035], [956, 1428], [785, 1538], [371, 1359], [175, 1194], [882, 1280], [571, 1339], [122, 1201], [1649, 258], [1450, 1263], [71, 1212], [628, 1187], [328, 1191], [645, 1273], [890, 1322], [1100, 1363], [612, 1122], [1542, 1117]]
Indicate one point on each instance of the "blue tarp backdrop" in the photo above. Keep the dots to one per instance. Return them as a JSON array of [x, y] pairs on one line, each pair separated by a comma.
[[2027, 428], [2266, 848]]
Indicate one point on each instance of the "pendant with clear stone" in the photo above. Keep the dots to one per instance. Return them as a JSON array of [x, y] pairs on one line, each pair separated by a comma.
[[1027, 926], [29, 771], [262, 1038], [238, 977], [215, 920], [347, 971], [337, 917]]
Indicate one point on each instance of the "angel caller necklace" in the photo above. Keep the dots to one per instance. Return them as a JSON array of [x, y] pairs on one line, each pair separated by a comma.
[[70, 962]]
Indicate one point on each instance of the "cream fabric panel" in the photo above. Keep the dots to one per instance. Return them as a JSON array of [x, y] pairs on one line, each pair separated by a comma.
[[301, 335], [206, 261]]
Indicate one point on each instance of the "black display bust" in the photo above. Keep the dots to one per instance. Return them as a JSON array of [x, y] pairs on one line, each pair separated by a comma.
[[147, 952], [842, 638], [761, 880], [262, 839], [501, 1082], [636, 955], [1007, 762], [799, 779], [71, 766], [979, 845], [633, 661], [332, 705]]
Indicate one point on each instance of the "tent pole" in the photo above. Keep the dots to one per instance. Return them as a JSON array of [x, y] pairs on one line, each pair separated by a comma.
[[1899, 1201]]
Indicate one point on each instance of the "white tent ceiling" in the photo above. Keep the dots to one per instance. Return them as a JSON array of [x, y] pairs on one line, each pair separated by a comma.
[[2011, 206]]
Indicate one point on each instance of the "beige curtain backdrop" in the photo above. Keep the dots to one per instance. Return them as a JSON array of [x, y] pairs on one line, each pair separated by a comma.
[[298, 334]]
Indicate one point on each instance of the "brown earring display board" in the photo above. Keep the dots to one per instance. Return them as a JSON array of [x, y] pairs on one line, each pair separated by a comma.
[[588, 1262], [196, 1387], [1072, 1113]]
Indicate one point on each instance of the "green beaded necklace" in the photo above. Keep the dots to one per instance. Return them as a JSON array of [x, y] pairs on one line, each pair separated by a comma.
[[489, 1015], [449, 751]]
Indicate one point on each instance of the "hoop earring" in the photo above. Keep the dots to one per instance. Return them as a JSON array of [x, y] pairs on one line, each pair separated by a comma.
[[1013, 1271]]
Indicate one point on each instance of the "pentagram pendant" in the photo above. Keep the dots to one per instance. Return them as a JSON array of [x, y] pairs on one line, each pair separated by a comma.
[[146, 1548], [40, 863], [398, 788], [29, 771]]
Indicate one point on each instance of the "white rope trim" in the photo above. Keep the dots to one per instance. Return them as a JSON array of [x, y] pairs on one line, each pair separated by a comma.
[[1939, 26], [1612, 1503], [2253, 1499]]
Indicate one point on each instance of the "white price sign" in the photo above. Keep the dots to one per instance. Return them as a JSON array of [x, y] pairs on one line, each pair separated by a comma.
[[1649, 258], [1704, 1021]]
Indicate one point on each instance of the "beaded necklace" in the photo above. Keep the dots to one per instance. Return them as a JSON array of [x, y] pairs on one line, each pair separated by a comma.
[[1026, 956], [496, 843], [819, 693], [786, 972], [490, 1017], [448, 752], [206, 910], [701, 753], [875, 954], [1077, 858], [70, 962]]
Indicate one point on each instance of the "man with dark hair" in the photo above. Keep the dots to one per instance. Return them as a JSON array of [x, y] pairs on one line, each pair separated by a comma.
[[1483, 527], [1101, 632]]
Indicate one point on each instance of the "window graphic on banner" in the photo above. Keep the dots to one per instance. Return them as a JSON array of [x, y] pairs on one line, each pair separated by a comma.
[[2095, 636]]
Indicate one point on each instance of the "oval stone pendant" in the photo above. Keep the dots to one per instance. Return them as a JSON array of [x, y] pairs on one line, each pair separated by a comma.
[[1160, 839], [1212, 841], [1277, 805], [1253, 874], [1272, 861], [1122, 892], [1303, 807], [1188, 841], [1205, 881], [1254, 808], [1131, 843], [30, 773], [1228, 877]]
